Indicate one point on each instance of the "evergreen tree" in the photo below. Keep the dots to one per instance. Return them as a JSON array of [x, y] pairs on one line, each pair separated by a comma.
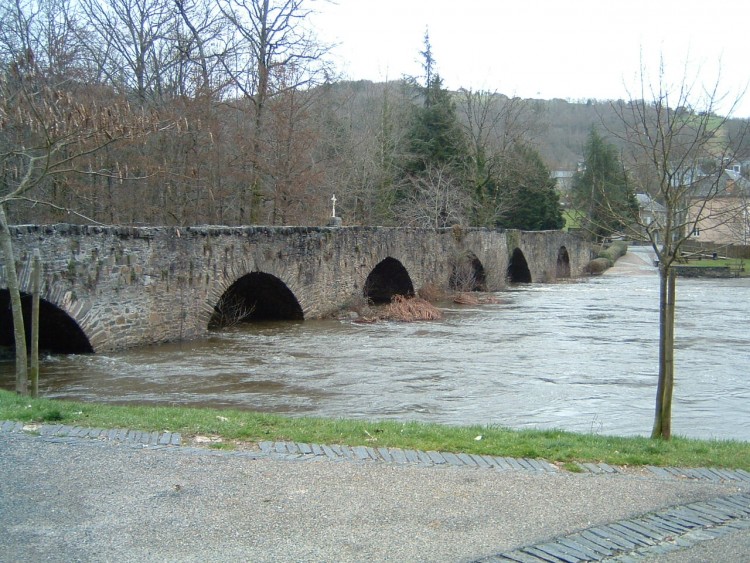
[[434, 169], [532, 204], [436, 137], [602, 192]]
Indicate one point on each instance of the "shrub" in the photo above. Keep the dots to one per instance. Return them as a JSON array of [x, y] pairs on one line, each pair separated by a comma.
[[598, 265], [614, 251]]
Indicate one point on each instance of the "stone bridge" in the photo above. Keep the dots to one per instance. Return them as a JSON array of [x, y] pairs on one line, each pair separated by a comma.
[[107, 288]]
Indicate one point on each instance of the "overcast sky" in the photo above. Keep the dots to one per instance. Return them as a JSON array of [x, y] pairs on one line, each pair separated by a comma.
[[570, 49]]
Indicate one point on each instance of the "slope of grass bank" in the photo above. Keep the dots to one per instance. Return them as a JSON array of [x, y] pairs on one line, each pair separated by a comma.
[[240, 426]]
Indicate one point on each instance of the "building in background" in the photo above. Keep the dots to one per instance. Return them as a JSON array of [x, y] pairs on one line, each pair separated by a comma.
[[721, 212]]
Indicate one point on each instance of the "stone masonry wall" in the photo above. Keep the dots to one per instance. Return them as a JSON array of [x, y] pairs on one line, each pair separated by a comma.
[[127, 286]]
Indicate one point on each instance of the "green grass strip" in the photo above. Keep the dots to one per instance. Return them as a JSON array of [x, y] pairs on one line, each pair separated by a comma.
[[235, 425], [733, 263]]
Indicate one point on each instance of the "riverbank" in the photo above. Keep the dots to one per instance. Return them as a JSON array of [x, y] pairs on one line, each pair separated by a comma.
[[641, 260], [237, 430]]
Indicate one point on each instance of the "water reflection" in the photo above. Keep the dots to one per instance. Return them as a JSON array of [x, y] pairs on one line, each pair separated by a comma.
[[580, 356]]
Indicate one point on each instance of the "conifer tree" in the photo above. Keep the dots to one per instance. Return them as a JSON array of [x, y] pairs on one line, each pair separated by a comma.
[[532, 202], [601, 192], [436, 137], [435, 167]]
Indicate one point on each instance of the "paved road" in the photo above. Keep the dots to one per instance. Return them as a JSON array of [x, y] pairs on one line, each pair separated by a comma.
[[639, 260], [114, 499]]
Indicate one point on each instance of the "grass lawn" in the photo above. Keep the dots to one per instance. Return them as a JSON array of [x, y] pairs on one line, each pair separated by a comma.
[[733, 263], [236, 427], [572, 219], [719, 262]]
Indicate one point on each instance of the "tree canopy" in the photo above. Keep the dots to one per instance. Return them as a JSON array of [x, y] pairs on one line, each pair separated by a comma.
[[262, 131], [533, 203], [601, 191]]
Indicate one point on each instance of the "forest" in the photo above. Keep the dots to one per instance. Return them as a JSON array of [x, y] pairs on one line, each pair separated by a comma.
[[187, 112]]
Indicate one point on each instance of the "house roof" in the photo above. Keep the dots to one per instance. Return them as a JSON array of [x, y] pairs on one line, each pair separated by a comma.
[[729, 184], [645, 203]]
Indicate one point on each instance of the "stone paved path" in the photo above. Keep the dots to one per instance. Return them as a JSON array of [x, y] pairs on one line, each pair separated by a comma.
[[647, 536]]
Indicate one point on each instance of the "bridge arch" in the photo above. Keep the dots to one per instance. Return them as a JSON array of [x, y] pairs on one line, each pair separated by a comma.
[[136, 286], [467, 273], [256, 296], [563, 263], [388, 278], [59, 333], [518, 268]]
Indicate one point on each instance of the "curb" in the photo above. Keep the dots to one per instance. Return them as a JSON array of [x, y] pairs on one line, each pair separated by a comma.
[[115, 434], [311, 452], [642, 537], [302, 451]]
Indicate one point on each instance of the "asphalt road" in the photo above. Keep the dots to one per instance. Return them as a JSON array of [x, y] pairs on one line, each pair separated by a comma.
[[92, 500]]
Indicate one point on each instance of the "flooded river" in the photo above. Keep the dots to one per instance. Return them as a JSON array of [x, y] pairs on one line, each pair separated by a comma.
[[579, 356]]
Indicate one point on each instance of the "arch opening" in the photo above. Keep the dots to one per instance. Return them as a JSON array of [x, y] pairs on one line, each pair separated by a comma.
[[467, 273], [563, 263], [388, 278], [256, 297], [59, 333], [518, 268]]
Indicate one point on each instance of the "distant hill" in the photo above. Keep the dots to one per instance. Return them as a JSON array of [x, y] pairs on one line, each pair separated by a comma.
[[562, 131], [565, 124]]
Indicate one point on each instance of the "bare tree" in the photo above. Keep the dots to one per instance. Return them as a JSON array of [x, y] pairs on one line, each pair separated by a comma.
[[290, 165], [200, 49], [676, 138], [130, 44], [270, 36], [48, 29], [435, 199], [363, 129], [45, 132], [494, 126]]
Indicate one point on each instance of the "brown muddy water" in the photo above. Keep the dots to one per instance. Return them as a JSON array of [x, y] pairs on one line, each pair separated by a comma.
[[579, 356]]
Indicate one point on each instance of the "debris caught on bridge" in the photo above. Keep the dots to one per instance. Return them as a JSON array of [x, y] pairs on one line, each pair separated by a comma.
[[401, 308], [475, 299], [409, 309], [465, 299]]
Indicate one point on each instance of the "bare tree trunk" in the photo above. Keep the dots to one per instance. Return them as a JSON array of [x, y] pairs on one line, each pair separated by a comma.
[[666, 425], [658, 418], [19, 333], [35, 275], [663, 413]]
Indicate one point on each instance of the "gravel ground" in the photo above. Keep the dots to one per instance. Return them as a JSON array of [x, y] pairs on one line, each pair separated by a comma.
[[101, 501]]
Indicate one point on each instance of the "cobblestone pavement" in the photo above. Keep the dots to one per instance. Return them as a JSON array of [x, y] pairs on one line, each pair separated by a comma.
[[528, 510]]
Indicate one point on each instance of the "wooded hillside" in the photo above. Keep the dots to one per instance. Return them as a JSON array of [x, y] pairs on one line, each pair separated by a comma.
[[180, 112]]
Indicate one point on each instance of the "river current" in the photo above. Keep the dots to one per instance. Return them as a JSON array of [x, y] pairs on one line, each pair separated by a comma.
[[578, 356]]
